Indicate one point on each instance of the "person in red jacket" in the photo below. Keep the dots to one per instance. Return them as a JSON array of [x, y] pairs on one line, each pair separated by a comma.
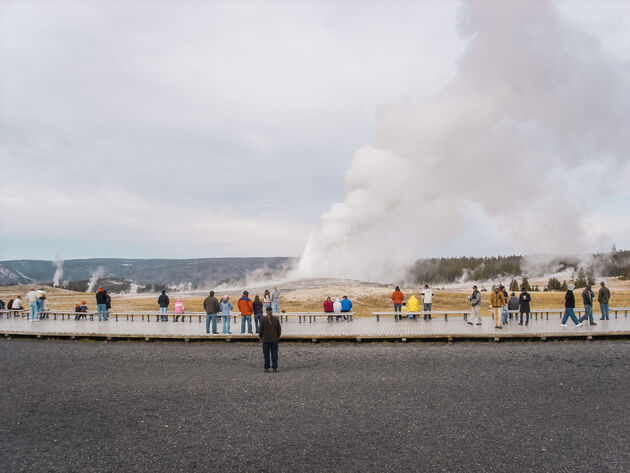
[[398, 298], [246, 307], [328, 307]]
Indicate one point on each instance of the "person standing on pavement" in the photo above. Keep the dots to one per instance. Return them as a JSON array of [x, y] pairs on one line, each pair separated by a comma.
[[275, 300], [211, 306], [523, 305], [427, 299], [257, 306], [569, 306], [246, 307], [101, 304], [163, 302], [397, 298], [267, 299], [226, 307], [475, 302], [270, 332], [603, 297], [587, 298], [497, 301], [32, 299]]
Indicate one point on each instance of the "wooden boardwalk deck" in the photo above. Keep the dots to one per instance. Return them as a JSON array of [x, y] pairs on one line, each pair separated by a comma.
[[360, 329]]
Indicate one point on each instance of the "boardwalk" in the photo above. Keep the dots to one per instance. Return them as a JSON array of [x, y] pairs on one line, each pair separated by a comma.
[[360, 329]]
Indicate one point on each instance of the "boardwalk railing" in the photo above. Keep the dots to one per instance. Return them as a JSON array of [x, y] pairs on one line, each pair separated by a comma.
[[533, 313], [146, 315]]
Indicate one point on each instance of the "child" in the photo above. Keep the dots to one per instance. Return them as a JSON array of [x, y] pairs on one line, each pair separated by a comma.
[[179, 309]]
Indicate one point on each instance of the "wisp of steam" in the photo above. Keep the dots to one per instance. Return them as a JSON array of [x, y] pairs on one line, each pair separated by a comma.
[[58, 264], [530, 129], [95, 276]]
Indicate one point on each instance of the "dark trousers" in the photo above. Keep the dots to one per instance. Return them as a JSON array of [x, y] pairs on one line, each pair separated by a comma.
[[527, 314], [270, 349]]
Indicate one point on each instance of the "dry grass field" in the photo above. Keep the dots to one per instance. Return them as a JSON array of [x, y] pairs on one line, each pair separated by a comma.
[[366, 298]]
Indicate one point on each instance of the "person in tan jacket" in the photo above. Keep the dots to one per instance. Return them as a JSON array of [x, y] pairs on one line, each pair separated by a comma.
[[497, 301]]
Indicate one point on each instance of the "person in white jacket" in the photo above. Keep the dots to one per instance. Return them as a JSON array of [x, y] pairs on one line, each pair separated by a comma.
[[337, 308], [32, 298], [427, 298]]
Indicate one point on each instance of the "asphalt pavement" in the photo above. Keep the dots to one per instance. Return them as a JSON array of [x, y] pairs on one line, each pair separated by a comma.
[[168, 407]]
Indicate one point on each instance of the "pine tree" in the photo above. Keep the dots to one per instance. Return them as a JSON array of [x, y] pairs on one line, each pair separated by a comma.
[[526, 285], [564, 286], [514, 285]]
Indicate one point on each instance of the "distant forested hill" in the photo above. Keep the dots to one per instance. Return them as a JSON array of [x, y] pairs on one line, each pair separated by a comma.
[[143, 271], [447, 270]]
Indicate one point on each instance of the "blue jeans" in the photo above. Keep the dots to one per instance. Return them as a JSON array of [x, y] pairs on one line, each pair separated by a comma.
[[249, 323], [588, 313], [270, 350], [569, 312], [397, 307], [40, 307], [164, 317], [214, 323], [258, 321], [226, 323], [33, 310], [427, 308], [102, 309], [504, 315], [604, 309], [275, 305]]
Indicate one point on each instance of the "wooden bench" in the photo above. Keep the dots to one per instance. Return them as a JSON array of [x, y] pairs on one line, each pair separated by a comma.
[[416, 315]]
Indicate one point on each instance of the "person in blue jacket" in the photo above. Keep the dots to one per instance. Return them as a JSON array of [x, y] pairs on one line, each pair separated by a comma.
[[346, 306]]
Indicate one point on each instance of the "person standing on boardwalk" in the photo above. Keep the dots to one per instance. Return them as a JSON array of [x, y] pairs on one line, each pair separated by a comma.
[[497, 301], [246, 308], [523, 305], [475, 304], [427, 299], [267, 299], [226, 307], [270, 331], [397, 298], [32, 298], [275, 300], [163, 302], [179, 310], [587, 298], [257, 306], [504, 309], [41, 296], [569, 306], [101, 304], [603, 297], [211, 306]]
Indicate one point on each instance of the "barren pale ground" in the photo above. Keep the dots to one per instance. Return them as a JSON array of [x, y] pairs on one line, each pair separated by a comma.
[[308, 295]]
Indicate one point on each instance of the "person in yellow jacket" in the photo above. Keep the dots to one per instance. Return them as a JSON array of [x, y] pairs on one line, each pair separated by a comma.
[[497, 301], [413, 304]]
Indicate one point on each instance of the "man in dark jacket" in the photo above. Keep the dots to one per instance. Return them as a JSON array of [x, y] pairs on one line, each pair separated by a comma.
[[587, 298], [569, 306], [270, 331], [512, 305], [101, 304], [211, 306], [523, 305], [163, 302], [603, 297]]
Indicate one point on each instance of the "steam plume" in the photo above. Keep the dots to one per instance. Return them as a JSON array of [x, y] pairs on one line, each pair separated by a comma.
[[531, 128], [58, 264], [96, 275]]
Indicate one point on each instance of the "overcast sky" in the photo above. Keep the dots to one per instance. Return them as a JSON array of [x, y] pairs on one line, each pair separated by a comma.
[[207, 129]]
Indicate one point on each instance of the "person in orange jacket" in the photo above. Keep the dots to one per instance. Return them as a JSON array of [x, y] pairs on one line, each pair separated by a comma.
[[246, 307], [398, 298]]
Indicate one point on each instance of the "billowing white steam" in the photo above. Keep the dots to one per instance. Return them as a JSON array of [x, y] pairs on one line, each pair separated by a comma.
[[96, 275], [58, 264], [532, 127]]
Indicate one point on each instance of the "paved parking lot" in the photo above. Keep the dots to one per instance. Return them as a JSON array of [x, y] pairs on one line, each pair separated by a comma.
[[165, 407]]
